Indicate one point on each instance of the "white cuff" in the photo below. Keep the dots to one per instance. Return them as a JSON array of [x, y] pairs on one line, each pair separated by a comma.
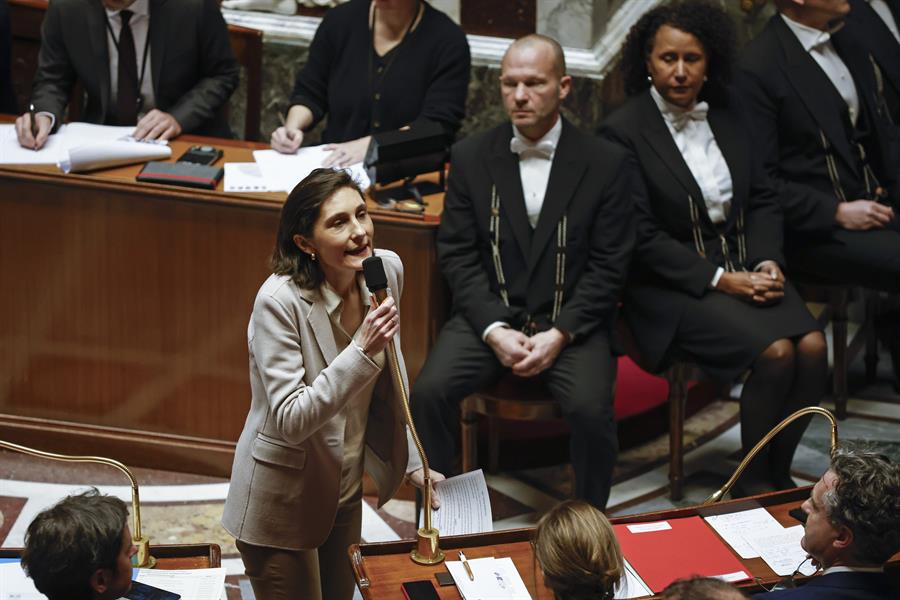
[[492, 327], [715, 280], [48, 114]]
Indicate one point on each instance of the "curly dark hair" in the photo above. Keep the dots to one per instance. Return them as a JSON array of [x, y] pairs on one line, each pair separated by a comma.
[[707, 22], [866, 500]]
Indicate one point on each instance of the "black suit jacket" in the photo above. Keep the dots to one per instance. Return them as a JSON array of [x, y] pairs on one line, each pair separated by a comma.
[[866, 26], [194, 70], [839, 586], [668, 269], [788, 100], [590, 180]]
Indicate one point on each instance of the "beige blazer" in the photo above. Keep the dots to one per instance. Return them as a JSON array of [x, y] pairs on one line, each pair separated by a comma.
[[286, 475]]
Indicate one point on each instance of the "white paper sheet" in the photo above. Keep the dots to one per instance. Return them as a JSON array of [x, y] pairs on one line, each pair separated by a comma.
[[734, 527], [495, 579], [101, 155], [631, 585], [190, 584], [244, 177], [465, 505], [781, 550], [284, 171], [11, 153]]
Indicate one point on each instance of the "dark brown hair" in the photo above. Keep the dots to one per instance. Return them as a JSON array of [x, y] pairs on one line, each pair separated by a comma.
[[67, 543], [298, 216]]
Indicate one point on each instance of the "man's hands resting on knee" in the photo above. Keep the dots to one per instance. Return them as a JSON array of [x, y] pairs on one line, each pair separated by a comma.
[[526, 356]]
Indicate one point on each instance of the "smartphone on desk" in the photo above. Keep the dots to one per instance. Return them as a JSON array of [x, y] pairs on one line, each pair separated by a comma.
[[419, 590], [201, 155]]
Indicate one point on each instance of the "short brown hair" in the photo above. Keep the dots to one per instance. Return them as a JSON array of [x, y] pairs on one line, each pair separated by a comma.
[[701, 588], [298, 216], [67, 543], [578, 552]]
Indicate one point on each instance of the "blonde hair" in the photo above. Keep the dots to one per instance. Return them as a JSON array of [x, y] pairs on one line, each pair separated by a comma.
[[578, 552]]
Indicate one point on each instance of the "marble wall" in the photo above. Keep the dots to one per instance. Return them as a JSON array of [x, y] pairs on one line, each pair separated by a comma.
[[589, 101]]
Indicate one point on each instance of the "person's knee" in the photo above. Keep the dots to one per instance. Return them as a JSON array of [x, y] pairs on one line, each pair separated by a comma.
[[812, 347], [591, 408], [779, 352]]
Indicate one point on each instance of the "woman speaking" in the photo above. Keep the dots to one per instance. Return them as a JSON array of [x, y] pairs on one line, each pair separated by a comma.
[[323, 407]]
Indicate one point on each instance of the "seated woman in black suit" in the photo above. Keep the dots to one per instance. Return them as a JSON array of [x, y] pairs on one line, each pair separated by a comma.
[[707, 285], [376, 66]]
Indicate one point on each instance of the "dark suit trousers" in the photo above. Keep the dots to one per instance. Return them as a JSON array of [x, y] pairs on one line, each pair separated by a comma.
[[582, 379], [867, 258]]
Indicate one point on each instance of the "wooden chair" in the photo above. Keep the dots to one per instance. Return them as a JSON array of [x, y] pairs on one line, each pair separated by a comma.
[[517, 399], [247, 45], [836, 299]]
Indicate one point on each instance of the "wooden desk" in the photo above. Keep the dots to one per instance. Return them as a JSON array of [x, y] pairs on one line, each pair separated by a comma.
[[124, 309], [171, 557], [388, 564]]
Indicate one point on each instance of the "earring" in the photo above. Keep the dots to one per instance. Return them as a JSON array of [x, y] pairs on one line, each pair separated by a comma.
[[312, 256], [649, 79], [705, 78]]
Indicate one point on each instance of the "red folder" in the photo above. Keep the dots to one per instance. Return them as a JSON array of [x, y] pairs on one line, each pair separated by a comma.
[[685, 548]]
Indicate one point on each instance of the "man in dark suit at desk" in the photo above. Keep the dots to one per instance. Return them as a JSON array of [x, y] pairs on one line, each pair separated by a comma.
[[164, 65], [876, 24], [534, 241], [821, 130], [80, 548], [851, 529]]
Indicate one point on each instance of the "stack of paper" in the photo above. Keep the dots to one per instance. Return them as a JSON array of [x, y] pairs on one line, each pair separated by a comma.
[[465, 505], [755, 533], [282, 172], [494, 579]]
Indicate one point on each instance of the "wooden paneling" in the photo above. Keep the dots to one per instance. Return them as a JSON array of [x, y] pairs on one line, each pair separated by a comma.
[[124, 309]]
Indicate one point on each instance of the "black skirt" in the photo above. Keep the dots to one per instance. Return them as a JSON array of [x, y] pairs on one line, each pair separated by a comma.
[[724, 335]]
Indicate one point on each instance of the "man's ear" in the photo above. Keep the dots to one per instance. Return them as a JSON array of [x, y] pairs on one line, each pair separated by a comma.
[[843, 541], [100, 581]]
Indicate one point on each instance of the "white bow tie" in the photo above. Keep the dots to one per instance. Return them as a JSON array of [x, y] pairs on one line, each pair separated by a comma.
[[680, 120], [542, 149]]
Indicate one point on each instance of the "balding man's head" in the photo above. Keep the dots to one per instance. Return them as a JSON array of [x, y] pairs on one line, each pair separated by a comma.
[[538, 44], [534, 84]]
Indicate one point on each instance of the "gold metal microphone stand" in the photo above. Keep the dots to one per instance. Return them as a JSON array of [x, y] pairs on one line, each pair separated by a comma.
[[810, 410], [427, 550], [142, 558]]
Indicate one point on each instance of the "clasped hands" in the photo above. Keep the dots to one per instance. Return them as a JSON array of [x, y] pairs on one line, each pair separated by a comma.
[[155, 125], [526, 356], [764, 286]]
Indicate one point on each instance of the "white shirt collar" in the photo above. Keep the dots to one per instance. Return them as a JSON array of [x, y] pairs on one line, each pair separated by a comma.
[[810, 37], [551, 136], [334, 303], [843, 569], [140, 7], [664, 106]]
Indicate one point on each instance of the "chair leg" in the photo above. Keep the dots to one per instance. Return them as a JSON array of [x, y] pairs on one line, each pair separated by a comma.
[[871, 337], [839, 339], [677, 398], [493, 445], [469, 421]]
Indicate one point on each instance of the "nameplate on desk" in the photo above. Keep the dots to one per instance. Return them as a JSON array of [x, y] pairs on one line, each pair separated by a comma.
[[648, 527]]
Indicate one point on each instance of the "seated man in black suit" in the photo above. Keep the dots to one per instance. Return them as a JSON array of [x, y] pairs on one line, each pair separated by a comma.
[[876, 24], [821, 130], [80, 549], [534, 240], [163, 65], [852, 528]]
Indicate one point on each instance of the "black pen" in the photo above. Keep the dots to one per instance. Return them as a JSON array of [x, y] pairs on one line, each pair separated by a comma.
[[34, 128]]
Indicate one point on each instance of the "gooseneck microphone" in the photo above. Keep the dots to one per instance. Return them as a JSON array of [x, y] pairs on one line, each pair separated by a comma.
[[427, 550]]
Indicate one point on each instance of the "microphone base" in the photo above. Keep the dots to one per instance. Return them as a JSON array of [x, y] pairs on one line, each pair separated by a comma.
[[427, 550], [142, 558]]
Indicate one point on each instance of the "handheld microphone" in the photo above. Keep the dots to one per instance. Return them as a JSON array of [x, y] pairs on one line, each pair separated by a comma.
[[427, 550]]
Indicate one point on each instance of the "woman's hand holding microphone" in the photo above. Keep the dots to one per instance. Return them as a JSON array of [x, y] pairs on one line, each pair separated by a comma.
[[379, 327]]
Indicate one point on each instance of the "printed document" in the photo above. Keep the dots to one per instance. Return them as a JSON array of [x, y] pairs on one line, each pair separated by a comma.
[[284, 171], [465, 505], [244, 177], [733, 527], [495, 579], [781, 550], [631, 585]]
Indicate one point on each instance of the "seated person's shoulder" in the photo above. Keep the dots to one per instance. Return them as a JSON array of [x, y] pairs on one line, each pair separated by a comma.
[[442, 25], [619, 125]]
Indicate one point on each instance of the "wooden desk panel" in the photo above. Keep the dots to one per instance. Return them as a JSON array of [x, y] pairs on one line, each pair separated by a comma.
[[168, 557], [124, 310]]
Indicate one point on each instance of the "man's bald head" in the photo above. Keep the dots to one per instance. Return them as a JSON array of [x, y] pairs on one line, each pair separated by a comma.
[[536, 41]]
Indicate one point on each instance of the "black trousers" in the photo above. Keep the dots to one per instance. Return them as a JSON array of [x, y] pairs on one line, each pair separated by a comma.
[[867, 258], [582, 379]]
